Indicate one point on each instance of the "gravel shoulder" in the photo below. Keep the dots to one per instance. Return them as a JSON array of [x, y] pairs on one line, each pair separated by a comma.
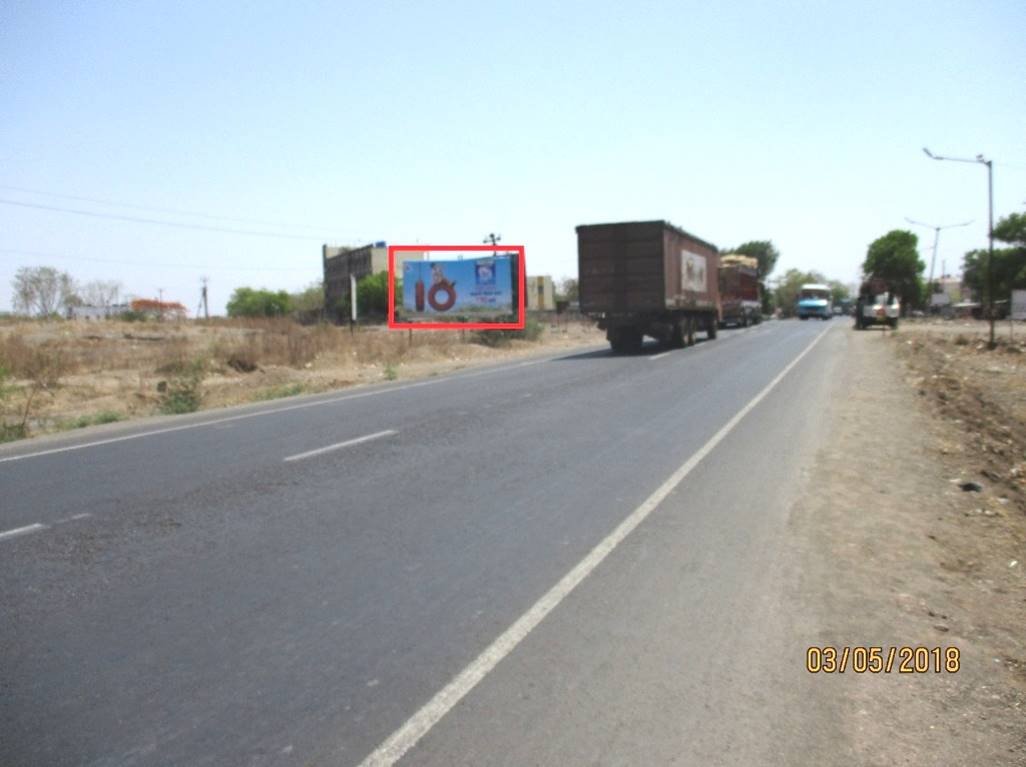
[[894, 553]]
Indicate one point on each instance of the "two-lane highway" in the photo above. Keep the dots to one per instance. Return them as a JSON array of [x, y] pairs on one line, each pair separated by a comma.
[[335, 580]]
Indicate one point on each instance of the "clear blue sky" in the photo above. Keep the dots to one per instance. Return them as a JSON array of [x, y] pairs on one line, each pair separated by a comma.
[[440, 122]]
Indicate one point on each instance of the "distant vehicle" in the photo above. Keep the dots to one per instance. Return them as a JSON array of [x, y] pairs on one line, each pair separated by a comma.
[[876, 305], [814, 300], [647, 278], [740, 303]]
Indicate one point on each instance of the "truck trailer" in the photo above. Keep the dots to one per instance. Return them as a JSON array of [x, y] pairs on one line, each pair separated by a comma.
[[647, 278], [740, 302]]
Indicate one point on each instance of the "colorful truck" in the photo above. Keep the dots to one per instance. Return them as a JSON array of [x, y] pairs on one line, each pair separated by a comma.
[[648, 278], [740, 302]]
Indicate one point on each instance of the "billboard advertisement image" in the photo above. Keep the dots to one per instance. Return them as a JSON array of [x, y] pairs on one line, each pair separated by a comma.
[[476, 286], [692, 271]]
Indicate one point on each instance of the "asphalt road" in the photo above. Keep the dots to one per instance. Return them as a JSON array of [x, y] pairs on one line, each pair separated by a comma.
[[220, 589]]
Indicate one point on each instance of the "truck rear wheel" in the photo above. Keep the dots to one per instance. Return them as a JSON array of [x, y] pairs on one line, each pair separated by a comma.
[[710, 329], [625, 340], [677, 339]]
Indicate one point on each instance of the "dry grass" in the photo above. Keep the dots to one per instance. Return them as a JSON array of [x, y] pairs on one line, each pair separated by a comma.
[[89, 368]]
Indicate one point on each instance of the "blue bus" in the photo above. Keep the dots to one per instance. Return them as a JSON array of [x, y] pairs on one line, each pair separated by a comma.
[[814, 301]]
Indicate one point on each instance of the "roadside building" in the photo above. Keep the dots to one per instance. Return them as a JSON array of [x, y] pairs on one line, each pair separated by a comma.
[[541, 295], [947, 291], [341, 262], [91, 313], [159, 310]]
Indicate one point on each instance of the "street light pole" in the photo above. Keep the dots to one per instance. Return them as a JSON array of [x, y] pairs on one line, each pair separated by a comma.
[[936, 241], [990, 230]]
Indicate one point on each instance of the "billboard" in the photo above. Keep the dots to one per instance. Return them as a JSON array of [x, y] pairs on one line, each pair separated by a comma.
[[692, 271], [1019, 304], [469, 287]]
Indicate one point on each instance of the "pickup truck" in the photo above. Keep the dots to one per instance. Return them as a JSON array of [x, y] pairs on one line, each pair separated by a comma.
[[877, 304]]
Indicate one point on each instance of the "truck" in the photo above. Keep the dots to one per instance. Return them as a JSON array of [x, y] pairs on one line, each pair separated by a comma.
[[740, 303], [647, 278], [815, 300]]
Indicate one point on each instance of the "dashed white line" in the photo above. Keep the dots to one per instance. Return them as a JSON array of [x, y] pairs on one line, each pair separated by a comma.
[[258, 414], [403, 739], [73, 518], [340, 445], [659, 356], [33, 528]]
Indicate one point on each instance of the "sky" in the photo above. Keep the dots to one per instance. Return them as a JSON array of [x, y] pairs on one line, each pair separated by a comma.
[[439, 122]]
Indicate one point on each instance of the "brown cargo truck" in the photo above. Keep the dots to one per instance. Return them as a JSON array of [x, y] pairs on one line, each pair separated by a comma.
[[740, 303], [647, 278]]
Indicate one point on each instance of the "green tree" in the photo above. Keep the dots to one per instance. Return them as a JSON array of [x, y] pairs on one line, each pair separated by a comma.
[[567, 289], [43, 291], [248, 302], [1009, 266], [310, 299], [894, 259], [786, 293], [764, 251], [838, 291], [1012, 229], [372, 297]]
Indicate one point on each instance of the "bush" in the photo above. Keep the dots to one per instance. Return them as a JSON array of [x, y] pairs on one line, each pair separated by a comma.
[[372, 296], [279, 392], [182, 393], [9, 430], [247, 302], [532, 332]]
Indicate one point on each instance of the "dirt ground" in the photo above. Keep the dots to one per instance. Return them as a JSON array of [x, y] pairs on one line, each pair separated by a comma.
[[100, 371], [895, 553]]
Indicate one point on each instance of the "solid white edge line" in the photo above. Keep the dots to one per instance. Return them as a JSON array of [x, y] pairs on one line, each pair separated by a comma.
[[340, 445], [33, 528], [299, 406], [403, 739]]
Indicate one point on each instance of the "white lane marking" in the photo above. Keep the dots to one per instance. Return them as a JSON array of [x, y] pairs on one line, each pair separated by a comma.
[[33, 528], [403, 739], [340, 445], [298, 406], [73, 518], [659, 356]]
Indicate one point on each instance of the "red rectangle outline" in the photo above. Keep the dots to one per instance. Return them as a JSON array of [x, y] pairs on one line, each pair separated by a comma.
[[521, 301]]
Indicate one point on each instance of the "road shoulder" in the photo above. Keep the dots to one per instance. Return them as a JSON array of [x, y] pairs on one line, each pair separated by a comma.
[[894, 553]]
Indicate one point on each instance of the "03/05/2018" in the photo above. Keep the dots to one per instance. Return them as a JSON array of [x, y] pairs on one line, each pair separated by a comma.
[[881, 660]]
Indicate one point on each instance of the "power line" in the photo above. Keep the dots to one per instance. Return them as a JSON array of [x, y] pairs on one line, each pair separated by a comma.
[[173, 211], [208, 267], [175, 224]]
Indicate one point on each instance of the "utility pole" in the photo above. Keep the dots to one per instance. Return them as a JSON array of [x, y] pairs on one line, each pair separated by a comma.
[[203, 300], [936, 240], [160, 303], [990, 230]]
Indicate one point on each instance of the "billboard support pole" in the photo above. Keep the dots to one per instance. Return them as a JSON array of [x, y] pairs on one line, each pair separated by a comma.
[[352, 302]]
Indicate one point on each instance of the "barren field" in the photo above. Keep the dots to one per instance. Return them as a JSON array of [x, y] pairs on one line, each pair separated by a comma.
[[63, 375]]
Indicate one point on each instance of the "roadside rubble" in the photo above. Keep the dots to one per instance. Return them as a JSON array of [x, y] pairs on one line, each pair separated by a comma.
[[980, 391]]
